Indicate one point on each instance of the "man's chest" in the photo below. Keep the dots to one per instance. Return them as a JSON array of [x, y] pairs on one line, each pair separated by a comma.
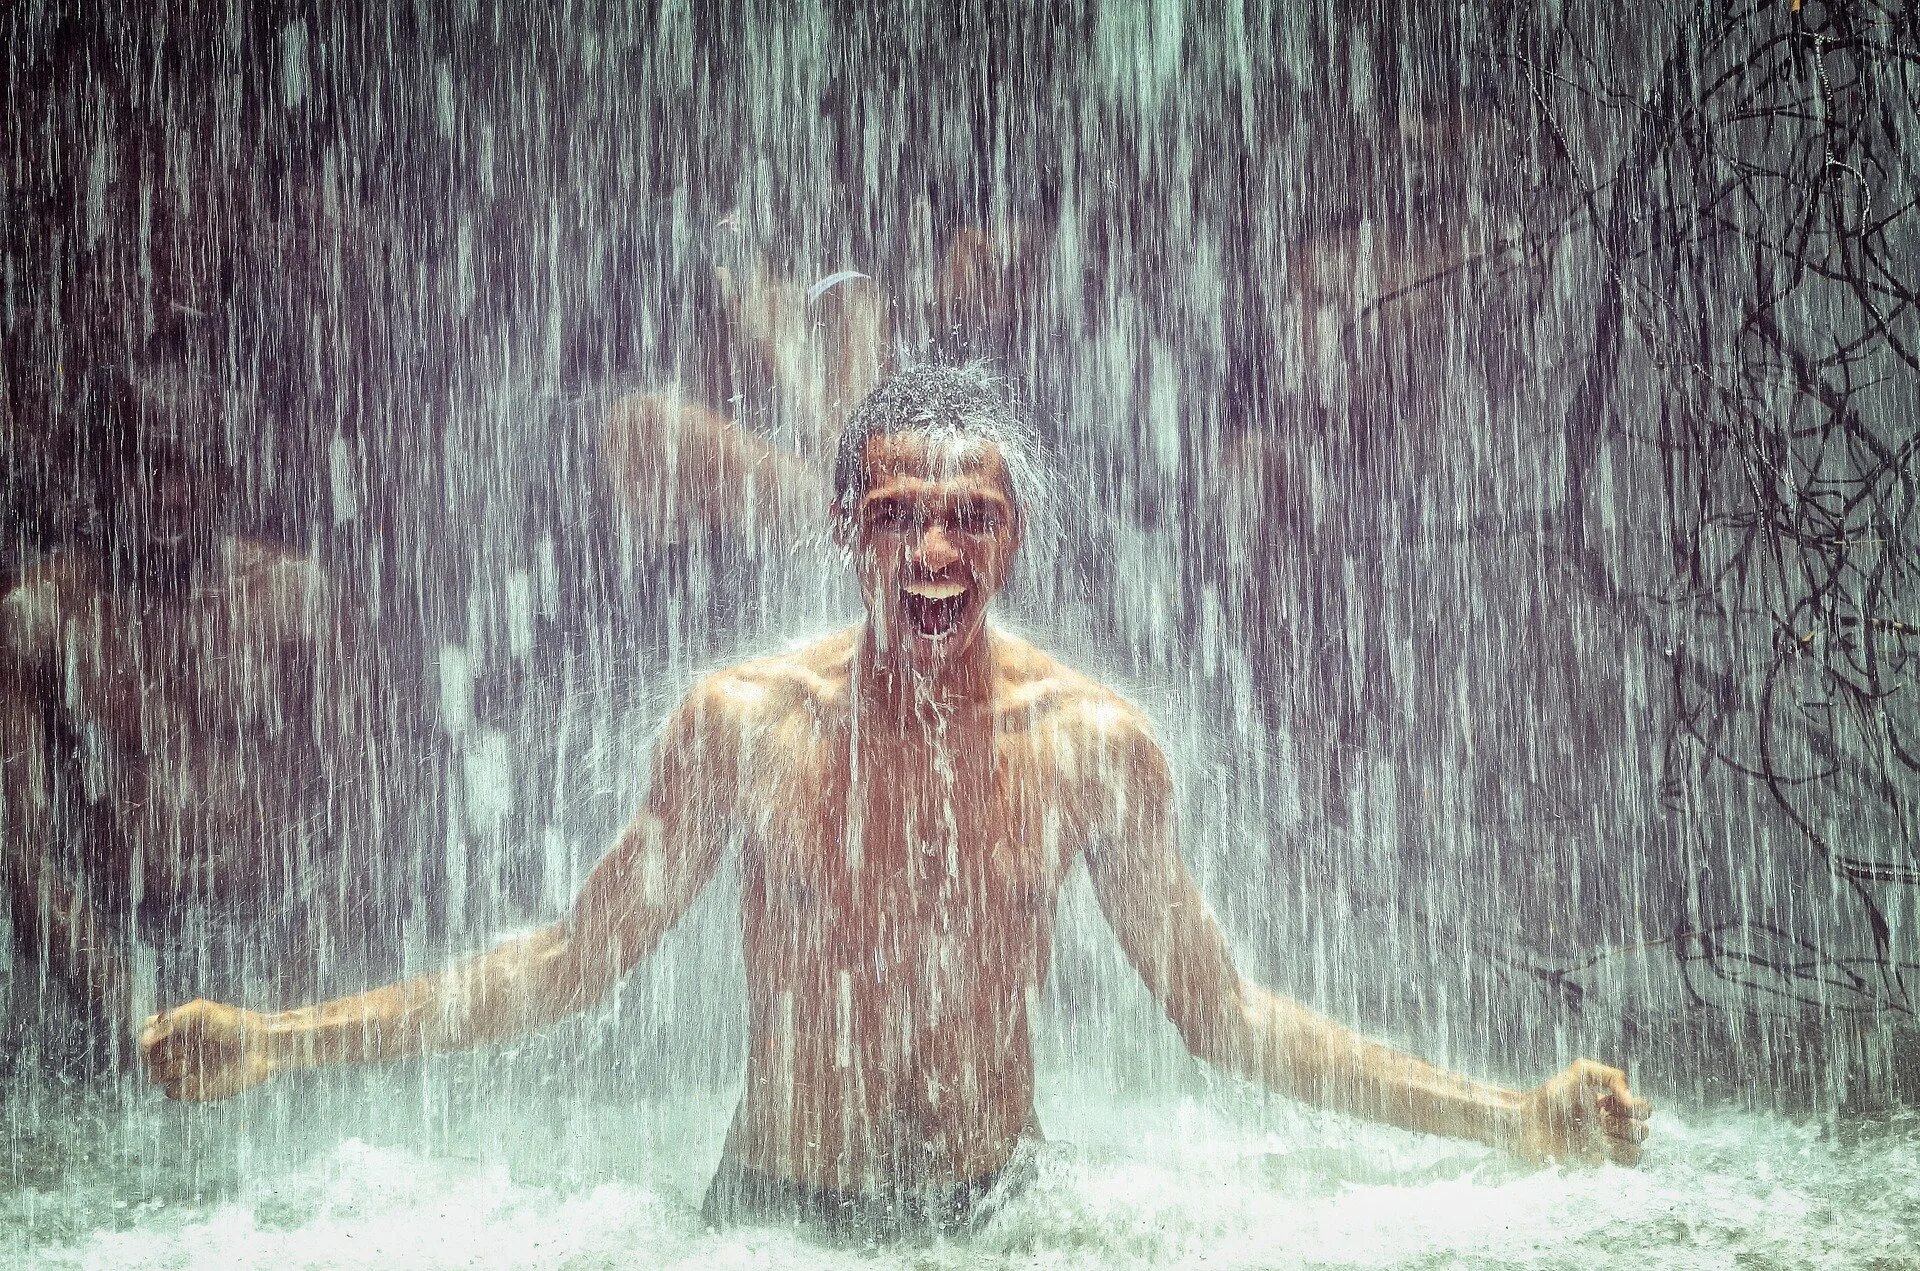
[[903, 852]]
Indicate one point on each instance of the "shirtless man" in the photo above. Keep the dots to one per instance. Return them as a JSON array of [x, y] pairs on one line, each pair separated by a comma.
[[908, 797], [159, 729]]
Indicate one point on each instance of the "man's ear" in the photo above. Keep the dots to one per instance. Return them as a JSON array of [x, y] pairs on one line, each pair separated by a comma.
[[840, 525]]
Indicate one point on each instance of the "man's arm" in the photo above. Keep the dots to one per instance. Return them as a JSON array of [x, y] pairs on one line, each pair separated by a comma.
[[1171, 938], [205, 1050]]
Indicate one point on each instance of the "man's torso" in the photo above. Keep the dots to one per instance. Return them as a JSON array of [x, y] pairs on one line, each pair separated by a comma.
[[900, 879]]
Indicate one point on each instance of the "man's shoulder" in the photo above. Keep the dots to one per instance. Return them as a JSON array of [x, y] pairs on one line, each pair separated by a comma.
[[1031, 679], [1039, 686], [807, 676]]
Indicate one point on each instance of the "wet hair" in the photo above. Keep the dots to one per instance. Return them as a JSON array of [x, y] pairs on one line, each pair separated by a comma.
[[963, 402]]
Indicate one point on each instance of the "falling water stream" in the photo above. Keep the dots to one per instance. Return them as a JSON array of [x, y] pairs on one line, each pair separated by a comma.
[[1482, 444]]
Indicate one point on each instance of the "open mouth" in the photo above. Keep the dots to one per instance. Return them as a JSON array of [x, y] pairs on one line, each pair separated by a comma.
[[934, 609]]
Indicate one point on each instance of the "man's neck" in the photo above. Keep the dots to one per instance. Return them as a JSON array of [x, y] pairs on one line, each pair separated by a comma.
[[886, 688]]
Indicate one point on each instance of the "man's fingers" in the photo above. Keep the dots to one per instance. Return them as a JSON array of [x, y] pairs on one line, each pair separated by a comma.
[[169, 1082], [151, 1032], [1627, 1130], [1638, 1109], [1623, 1153], [192, 1085], [1617, 1092], [170, 1053], [164, 1042], [161, 1057], [169, 1070], [1633, 1109]]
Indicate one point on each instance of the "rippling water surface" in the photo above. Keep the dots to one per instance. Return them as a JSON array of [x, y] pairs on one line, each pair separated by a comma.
[[367, 1172]]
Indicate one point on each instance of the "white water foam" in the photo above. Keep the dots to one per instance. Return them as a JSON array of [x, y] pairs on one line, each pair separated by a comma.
[[1216, 1178]]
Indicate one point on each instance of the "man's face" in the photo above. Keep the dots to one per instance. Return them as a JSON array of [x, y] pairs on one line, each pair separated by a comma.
[[932, 538]]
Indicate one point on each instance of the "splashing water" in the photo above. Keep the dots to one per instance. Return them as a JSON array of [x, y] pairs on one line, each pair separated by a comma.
[[1170, 1179]]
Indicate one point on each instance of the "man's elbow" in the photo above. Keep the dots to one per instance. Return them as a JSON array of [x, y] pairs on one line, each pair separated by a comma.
[[1218, 1031], [570, 975]]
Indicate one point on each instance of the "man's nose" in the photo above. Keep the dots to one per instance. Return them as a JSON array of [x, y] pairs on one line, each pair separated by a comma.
[[935, 550]]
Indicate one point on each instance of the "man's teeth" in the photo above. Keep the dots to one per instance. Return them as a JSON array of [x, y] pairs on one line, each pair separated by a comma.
[[935, 591]]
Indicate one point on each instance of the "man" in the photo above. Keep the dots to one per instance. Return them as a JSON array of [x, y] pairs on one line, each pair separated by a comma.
[[907, 797], [167, 727]]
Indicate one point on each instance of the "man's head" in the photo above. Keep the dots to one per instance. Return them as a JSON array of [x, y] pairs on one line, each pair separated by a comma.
[[927, 497]]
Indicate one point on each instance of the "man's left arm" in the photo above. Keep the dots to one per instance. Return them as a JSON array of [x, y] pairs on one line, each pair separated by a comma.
[[1585, 1113]]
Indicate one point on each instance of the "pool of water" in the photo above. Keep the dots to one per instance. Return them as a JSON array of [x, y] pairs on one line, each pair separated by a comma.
[[441, 1169]]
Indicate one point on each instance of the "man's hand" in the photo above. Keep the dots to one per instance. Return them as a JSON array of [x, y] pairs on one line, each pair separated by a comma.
[[1587, 1113], [204, 1051]]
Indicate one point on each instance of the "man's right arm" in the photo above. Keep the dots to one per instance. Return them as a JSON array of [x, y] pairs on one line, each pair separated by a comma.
[[205, 1050]]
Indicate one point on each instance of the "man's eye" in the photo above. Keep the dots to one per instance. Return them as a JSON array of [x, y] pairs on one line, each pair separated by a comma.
[[975, 520], [886, 516]]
